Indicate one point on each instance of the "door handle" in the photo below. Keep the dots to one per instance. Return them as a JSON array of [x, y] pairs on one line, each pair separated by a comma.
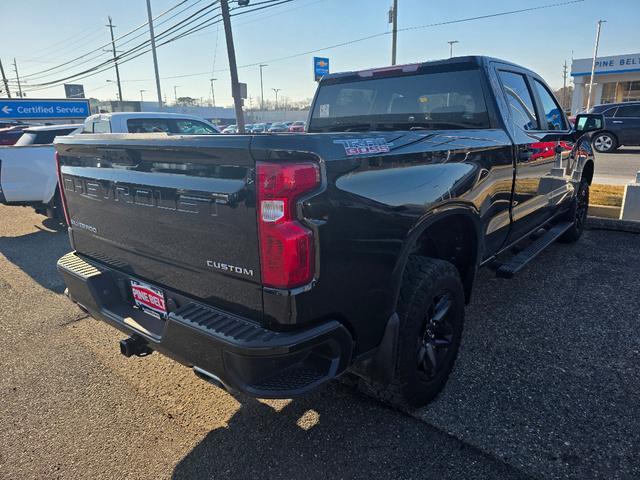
[[617, 121]]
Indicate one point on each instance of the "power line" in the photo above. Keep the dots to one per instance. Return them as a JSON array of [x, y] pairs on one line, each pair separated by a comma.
[[106, 44]]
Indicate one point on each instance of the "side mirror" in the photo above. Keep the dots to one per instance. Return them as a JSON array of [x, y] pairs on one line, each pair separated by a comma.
[[589, 122]]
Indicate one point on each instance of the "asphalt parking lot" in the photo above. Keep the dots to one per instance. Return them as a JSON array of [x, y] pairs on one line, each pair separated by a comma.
[[618, 168], [546, 386]]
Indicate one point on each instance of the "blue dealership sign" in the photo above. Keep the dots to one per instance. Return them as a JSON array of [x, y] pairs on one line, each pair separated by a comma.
[[19, 108], [320, 67]]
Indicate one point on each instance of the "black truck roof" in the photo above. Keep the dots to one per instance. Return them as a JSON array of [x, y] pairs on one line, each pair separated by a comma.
[[479, 60]]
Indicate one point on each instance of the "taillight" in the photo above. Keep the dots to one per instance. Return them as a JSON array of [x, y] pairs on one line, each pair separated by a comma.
[[63, 199], [286, 246]]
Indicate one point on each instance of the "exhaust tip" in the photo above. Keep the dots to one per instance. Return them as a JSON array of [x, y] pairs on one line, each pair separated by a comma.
[[134, 346]]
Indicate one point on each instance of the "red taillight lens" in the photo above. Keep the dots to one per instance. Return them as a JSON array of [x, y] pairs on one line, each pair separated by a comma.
[[63, 199], [286, 246]]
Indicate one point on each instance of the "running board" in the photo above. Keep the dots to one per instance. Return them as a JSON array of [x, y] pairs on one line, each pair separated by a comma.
[[531, 251]]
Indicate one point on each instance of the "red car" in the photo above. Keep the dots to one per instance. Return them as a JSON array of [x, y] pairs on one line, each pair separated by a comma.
[[298, 126]]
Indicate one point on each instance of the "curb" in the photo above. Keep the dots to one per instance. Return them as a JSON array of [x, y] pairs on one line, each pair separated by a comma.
[[600, 223], [604, 211]]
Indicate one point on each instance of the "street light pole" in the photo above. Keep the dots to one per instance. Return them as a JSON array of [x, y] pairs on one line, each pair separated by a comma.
[[213, 96], [175, 93], [451, 42], [593, 63], [153, 52], [276, 90], [261, 87], [141, 98]]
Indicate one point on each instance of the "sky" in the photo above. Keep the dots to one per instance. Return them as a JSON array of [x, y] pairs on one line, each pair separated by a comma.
[[42, 34]]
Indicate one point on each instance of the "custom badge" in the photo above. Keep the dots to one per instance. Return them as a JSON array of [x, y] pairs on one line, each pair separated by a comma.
[[364, 146]]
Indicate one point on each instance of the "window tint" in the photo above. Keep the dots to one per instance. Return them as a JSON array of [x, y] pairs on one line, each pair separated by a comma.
[[553, 117], [519, 100], [102, 126], [148, 125], [628, 111], [428, 100], [194, 127], [610, 112]]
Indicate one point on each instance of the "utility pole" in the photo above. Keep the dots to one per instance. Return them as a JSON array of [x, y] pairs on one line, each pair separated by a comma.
[[4, 79], [175, 93], [564, 86], [115, 57], [233, 67], [451, 42], [15, 68], [593, 63], [213, 96], [261, 87], [276, 90], [153, 52], [394, 21]]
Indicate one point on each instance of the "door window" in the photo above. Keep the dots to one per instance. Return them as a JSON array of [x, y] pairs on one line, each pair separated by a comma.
[[194, 127], [626, 111], [519, 99], [553, 117], [148, 125]]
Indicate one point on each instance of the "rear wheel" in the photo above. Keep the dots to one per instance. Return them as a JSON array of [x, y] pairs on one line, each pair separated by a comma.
[[578, 214], [605, 142], [431, 313]]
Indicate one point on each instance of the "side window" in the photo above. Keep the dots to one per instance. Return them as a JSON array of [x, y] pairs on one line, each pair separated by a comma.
[[519, 100], [628, 111], [193, 127], [148, 125], [611, 112], [553, 117], [88, 127], [45, 138], [102, 126]]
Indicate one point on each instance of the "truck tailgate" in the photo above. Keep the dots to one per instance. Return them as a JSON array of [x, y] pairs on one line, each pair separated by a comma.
[[176, 211]]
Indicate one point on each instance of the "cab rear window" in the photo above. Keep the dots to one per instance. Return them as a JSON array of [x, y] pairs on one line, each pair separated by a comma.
[[443, 100]]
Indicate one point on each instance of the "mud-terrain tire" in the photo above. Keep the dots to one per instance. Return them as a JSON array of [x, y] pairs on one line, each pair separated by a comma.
[[431, 313]]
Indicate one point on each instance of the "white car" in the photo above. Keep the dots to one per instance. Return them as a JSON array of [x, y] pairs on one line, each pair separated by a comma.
[[28, 168], [148, 122]]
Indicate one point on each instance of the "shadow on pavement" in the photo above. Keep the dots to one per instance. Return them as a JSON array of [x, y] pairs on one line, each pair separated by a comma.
[[332, 434], [36, 253]]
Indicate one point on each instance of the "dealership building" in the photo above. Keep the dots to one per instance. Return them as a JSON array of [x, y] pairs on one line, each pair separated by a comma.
[[617, 79]]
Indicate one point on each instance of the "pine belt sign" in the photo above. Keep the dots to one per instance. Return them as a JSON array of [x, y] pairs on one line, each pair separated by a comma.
[[21, 109], [581, 67]]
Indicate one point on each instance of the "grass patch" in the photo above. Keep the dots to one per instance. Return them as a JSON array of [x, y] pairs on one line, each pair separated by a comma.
[[609, 195]]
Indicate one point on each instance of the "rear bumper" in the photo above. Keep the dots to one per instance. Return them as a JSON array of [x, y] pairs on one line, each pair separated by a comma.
[[237, 352]]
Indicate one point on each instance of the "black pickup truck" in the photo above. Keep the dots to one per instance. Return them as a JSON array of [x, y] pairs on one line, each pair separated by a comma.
[[271, 264]]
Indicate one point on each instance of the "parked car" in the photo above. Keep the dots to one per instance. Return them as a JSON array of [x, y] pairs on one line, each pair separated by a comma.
[[621, 126], [230, 129], [27, 169], [276, 263], [148, 122], [298, 126], [278, 127], [28, 175], [259, 128]]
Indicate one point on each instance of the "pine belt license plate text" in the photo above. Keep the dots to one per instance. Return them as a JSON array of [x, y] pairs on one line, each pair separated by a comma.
[[149, 299]]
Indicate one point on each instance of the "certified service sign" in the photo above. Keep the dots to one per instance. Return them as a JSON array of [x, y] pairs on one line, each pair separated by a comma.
[[23, 109]]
